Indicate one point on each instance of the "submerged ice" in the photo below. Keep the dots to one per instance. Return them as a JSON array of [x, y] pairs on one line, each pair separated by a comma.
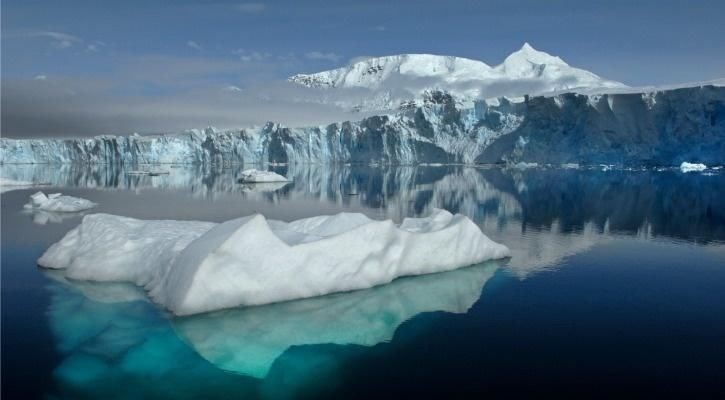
[[193, 267]]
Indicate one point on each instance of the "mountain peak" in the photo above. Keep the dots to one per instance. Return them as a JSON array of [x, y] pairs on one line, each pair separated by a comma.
[[400, 78], [528, 55]]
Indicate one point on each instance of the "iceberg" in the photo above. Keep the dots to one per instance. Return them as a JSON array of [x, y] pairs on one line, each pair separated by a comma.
[[195, 267], [257, 176], [57, 202], [691, 167]]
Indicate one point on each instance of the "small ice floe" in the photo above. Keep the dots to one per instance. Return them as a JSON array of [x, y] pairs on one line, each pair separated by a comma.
[[692, 167], [195, 267], [257, 176], [525, 165], [7, 185], [570, 166], [57, 202]]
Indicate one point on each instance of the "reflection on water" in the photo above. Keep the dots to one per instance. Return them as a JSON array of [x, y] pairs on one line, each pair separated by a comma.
[[668, 203], [111, 333], [115, 343], [543, 215]]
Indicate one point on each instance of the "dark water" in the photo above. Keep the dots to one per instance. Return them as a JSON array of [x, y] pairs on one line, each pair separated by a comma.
[[614, 288]]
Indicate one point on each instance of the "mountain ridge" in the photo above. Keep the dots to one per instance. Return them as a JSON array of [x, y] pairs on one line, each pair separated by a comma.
[[389, 81]]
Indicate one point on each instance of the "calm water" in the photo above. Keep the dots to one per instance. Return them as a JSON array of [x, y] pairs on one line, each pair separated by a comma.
[[615, 287]]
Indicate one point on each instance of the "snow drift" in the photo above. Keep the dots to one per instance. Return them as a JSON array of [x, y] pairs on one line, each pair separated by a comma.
[[194, 267]]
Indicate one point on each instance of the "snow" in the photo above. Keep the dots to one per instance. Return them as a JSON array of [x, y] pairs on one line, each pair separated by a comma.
[[57, 202], [257, 176], [396, 79], [691, 167], [195, 267]]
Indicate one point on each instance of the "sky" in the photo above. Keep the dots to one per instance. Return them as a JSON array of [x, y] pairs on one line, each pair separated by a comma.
[[81, 67]]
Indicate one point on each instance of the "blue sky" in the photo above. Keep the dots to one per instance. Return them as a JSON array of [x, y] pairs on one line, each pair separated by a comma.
[[154, 50]]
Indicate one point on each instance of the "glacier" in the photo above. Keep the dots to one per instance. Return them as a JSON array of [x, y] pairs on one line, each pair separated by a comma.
[[194, 267], [659, 127]]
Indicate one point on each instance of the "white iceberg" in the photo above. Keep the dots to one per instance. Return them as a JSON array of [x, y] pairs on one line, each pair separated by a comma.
[[195, 267], [257, 176], [692, 167], [57, 202]]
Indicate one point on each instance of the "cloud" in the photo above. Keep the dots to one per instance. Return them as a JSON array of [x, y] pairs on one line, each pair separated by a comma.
[[58, 39], [250, 56], [251, 8], [317, 55], [378, 28], [40, 77], [232, 88], [357, 59], [95, 46], [194, 45]]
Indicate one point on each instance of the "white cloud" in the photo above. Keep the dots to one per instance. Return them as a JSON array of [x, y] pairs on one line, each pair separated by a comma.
[[357, 59], [194, 45], [232, 88], [251, 7], [249, 56], [40, 77], [317, 55], [378, 28], [58, 39]]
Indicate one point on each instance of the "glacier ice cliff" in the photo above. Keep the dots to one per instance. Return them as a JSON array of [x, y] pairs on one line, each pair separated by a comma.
[[663, 127]]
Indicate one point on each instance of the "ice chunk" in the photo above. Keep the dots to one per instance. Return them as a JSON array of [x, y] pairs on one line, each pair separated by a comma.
[[56, 202], [690, 167], [110, 248], [257, 176], [252, 261]]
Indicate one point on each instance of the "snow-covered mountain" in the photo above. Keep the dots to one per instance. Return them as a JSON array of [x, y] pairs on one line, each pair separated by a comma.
[[386, 83]]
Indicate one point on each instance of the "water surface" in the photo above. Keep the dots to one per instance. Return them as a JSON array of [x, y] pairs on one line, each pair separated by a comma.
[[615, 287]]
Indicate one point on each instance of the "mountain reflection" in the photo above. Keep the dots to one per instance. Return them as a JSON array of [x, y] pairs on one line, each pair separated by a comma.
[[660, 203]]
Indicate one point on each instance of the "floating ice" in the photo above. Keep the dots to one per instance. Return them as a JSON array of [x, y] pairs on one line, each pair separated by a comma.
[[56, 202], [257, 176], [194, 267], [690, 167]]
